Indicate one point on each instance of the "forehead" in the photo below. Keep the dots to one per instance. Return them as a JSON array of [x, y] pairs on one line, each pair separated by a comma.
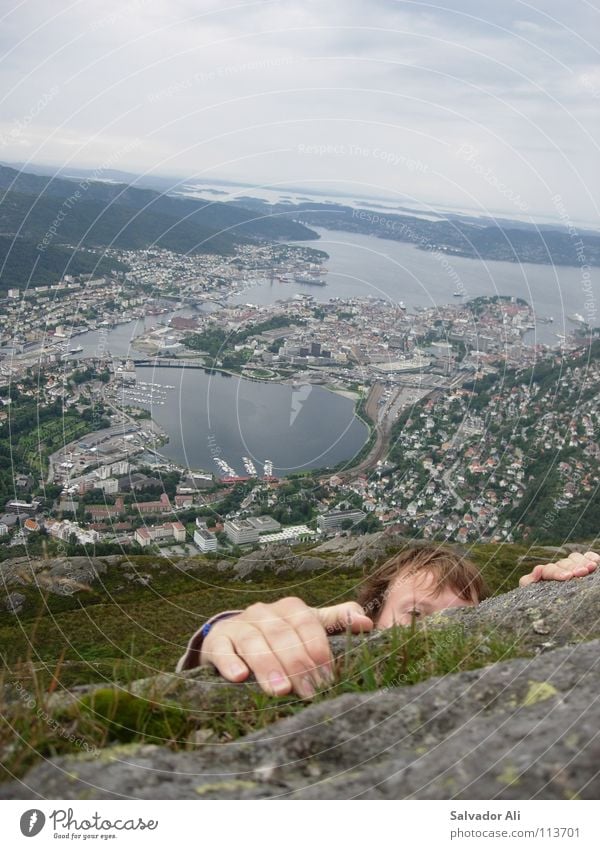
[[415, 582], [423, 579]]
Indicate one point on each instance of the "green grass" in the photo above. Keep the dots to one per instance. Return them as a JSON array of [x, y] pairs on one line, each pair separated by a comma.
[[117, 627], [32, 729], [117, 631]]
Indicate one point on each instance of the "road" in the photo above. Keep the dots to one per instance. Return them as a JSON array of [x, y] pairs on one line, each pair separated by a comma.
[[447, 478], [383, 413]]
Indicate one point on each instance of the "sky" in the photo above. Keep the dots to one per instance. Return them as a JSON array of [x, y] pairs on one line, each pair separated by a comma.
[[488, 106]]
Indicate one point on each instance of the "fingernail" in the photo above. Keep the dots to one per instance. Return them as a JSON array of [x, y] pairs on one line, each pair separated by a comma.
[[327, 675], [306, 688], [235, 670], [277, 681]]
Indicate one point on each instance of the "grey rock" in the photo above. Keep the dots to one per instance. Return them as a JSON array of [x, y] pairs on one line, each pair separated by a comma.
[[577, 546], [58, 575], [343, 545], [516, 730], [14, 602], [567, 610], [277, 558], [190, 564], [113, 559], [375, 548]]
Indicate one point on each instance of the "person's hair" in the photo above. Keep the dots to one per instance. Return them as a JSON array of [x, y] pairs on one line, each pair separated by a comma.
[[449, 569]]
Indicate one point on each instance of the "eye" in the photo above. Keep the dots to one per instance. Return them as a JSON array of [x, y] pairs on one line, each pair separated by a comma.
[[414, 612]]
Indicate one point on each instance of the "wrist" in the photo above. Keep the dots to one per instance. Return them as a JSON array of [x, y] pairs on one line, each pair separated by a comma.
[[192, 656], [207, 628]]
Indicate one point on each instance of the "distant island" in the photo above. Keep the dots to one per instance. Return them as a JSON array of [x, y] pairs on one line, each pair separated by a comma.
[[484, 238]]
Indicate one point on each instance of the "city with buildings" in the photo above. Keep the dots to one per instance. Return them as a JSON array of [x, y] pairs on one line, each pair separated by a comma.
[[461, 409]]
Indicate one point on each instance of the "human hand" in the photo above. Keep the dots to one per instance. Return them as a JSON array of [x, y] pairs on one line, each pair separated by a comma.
[[576, 565], [284, 644]]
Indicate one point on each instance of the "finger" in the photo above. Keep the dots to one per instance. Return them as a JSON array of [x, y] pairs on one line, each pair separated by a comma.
[[557, 572], [251, 645], [288, 645], [536, 574], [574, 559], [340, 616], [312, 635], [223, 656], [564, 575], [277, 624], [584, 569], [526, 580], [314, 638]]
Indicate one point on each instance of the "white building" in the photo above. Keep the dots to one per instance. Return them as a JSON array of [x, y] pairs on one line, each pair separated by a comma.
[[332, 521], [160, 533], [63, 530], [121, 467], [240, 531], [205, 540], [108, 486], [264, 524], [289, 535]]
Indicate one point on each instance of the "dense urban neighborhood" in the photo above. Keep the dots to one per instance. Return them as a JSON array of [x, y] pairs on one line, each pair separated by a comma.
[[475, 434]]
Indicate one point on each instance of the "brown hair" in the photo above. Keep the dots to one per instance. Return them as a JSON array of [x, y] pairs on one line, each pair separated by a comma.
[[448, 567]]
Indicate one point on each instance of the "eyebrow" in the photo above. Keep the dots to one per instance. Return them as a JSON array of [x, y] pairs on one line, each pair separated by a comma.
[[424, 605]]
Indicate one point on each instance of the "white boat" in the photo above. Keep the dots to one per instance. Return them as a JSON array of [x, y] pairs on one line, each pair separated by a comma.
[[225, 467], [249, 465]]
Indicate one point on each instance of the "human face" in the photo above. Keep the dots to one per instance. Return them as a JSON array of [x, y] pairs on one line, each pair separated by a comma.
[[415, 591]]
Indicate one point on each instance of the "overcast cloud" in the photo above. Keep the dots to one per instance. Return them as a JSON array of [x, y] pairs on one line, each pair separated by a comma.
[[491, 106]]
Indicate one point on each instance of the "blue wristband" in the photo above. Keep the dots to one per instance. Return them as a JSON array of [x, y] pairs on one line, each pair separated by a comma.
[[208, 625]]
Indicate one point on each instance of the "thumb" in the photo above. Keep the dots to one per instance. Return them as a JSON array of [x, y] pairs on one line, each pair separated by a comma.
[[338, 617], [534, 576]]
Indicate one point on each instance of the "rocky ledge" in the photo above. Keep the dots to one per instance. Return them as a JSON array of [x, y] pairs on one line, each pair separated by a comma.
[[516, 729]]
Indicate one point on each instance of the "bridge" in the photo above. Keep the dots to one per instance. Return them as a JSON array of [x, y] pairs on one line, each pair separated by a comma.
[[167, 362], [170, 362]]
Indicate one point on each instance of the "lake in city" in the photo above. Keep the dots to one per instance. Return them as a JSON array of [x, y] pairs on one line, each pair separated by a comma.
[[297, 427]]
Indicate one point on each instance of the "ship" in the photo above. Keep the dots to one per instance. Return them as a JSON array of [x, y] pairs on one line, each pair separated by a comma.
[[457, 294], [577, 318], [76, 350], [308, 280]]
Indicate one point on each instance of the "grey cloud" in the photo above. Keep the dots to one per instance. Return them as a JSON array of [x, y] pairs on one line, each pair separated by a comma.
[[192, 79]]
